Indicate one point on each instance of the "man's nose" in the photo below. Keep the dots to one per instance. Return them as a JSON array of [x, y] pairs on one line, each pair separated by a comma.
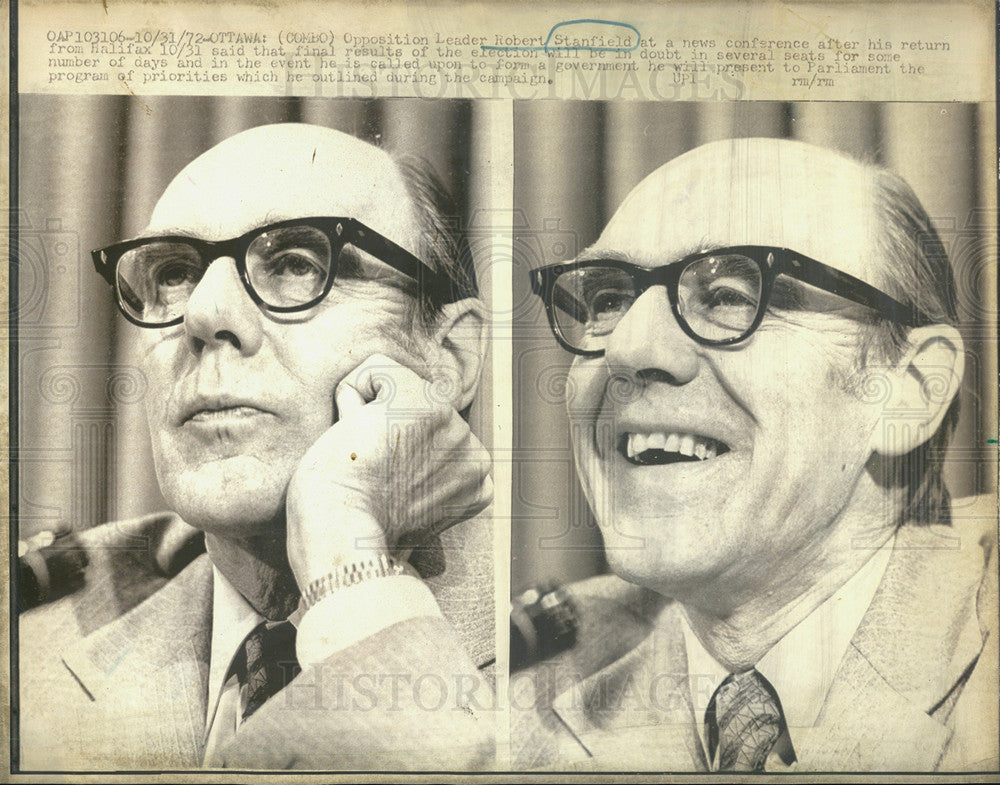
[[220, 311], [650, 343]]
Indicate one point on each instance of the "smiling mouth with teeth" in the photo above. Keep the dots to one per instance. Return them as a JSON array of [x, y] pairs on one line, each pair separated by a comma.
[[652, 449]]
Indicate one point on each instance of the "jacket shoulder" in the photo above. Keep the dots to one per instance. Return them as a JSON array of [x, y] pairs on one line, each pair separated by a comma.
[[126, 562], [976, 519], [972, 714], [613, 618]]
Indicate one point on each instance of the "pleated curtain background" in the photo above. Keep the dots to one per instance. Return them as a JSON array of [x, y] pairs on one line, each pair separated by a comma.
[[574, 162], [91, 169]]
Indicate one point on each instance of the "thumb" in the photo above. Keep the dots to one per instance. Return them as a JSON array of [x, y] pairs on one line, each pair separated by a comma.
[[349, 401]]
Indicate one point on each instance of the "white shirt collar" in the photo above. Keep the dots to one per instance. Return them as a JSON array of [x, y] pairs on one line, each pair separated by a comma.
[[801, 665], [232, 620]]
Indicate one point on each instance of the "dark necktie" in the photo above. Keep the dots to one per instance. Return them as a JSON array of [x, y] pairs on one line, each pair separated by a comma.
[[744, 721], [268, 664]]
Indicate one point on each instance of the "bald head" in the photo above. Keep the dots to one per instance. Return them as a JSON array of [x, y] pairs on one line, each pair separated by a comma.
[[274, 172], [293, 170], [752, 192]]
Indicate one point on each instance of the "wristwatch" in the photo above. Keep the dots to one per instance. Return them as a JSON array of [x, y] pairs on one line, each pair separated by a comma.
[[349, 575]]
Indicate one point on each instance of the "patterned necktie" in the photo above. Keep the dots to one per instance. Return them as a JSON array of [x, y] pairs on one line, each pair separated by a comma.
[[268, 664], [744, 721]]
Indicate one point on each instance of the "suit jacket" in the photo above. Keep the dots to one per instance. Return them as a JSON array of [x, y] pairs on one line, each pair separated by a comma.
[[115, 676], [915, 691]]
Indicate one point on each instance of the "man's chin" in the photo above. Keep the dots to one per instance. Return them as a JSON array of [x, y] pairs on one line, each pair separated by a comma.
[[231, 512], [666, 555], [241, 496], [677, 581]]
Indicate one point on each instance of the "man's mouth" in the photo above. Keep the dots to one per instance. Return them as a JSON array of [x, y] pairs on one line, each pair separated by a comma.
[[227, 411], [223, 413], [656, 448]]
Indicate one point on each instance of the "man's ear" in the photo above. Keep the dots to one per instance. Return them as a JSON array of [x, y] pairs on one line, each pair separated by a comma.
[[459, 338], [921, 388]]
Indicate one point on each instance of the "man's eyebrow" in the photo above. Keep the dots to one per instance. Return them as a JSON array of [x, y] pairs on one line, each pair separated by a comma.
[[647, 259], [168, 231], [162, 231], [272, 217], [594, 254]]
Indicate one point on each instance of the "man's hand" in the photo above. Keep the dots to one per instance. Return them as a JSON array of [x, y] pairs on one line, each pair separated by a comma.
[[399, 465]]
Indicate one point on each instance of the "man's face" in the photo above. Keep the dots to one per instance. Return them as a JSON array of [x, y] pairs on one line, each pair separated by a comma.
[[791, 439], [238, 394]]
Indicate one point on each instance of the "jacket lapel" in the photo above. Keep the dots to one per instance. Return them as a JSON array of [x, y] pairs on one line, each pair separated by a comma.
[[886, 708], [636, 713], [145, 674], [915, 642]]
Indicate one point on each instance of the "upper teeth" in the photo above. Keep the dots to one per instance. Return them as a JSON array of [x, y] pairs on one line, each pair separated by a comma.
[[684, 443]]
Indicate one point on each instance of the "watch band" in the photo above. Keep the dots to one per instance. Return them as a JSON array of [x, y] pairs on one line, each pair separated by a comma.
[[348, 575]]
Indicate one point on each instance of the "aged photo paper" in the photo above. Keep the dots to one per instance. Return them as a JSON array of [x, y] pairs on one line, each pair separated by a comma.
[[524, 636]]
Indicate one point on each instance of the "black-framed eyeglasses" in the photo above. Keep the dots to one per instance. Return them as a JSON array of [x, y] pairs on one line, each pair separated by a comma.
[[285, 267], [718, 297]]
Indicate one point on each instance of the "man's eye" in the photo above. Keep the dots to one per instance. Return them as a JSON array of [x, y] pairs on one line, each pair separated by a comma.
[[174, 274], [721, 296], [610, 302], [293, 264]]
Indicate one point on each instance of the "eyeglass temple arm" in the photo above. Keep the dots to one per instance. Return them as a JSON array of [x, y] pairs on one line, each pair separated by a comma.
[[566, 302], [429, 280], [560, 298], [102, 266], [844, 285]]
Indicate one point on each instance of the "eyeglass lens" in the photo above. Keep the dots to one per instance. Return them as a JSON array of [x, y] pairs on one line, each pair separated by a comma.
[[286, 267], [718, 297]]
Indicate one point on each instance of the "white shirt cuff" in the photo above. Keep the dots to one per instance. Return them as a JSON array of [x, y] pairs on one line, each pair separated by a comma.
[[357, 612]]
